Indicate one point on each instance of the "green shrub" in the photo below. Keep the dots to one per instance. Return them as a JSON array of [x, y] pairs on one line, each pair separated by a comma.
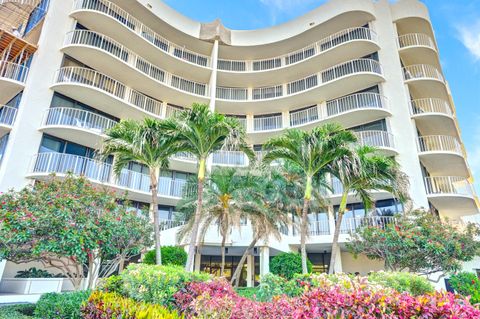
[[17, 312], [61, 305], [288, 265], [171, 255], [157, 284], [36, 273], [112, 284], [402, 282], [250, 293], [273, 285], [466, 284], [111, 305]]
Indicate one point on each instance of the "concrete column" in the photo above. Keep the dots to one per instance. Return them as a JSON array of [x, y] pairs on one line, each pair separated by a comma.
[[286, 119], [213, 77], [37, 97], [250, 271], [322, 110], [264, 260], [250, 124], [3, 265]]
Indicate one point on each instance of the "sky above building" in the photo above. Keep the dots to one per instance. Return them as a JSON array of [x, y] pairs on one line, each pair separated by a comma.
[[457, 29]]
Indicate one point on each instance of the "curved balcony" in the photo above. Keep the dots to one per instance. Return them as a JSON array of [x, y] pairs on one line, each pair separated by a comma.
[[433, 116], [453, 196], [350, 76], [108, 95], [341, 46], [442, 154], [382, 140], [425, 80], [7, 118], [418, 48], [137, 184], [113, 21], [106, 55], [76, 125], [12, 79], [229, 158], [336, 192]]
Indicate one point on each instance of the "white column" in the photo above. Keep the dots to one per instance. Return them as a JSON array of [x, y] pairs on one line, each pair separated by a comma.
[[286, 119], [3, 264], [322, 110], [264, 260], [213, 78], [25, 138], [250, 124], [250, 270]]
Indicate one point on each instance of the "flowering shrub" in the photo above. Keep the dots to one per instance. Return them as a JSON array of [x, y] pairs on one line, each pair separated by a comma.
[[102, 305], [402, 282], [157, 284], [467, 284]]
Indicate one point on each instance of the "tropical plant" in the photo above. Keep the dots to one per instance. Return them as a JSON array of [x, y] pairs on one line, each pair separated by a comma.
[[311, 152], [402, 282], [201, 132], [419, 242], [225, 197], [360, 172], [171, 255], [144, 143], [61, 305], [34, 272], [288, 265], [466, 284]]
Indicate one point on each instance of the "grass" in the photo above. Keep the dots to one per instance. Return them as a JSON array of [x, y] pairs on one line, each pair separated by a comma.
[[247, 292], [17, 312]]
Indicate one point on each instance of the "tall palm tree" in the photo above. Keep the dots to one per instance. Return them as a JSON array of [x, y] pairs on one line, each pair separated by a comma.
[[359, 173], [225, 195], [144, 143], [201, 132], [311, 152]]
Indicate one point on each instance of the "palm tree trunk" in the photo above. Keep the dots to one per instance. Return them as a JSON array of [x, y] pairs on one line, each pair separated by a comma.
[[154, 173], [224, 230], [304, 224], [198, 214], [238, 270], [222, 269], [336, 234]]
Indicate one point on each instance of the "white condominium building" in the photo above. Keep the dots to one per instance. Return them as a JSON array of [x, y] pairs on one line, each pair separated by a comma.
[[71, 69]]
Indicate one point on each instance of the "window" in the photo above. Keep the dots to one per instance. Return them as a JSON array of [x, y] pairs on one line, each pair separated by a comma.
[[37, 15], [60, 100], [15, 101], [3, 146], [380, 125]]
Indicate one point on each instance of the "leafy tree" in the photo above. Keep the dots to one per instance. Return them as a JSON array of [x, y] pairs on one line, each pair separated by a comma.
[[171, 255], [70, 225], [144, 143], [201, 132], [311, 152], [360, 172], [420, 242], [288, 265], [466, 284]]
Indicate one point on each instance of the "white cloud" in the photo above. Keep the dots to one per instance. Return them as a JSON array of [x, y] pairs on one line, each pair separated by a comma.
[[470, 37]]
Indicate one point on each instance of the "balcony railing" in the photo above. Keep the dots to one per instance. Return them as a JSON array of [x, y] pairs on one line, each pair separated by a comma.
[[307, 115], [319, 228], [124, 18], [422, 71], [311, 50], [430, 105], [439, 143], [381, 139], [31, 3], [267, 123], [92, 78], [169, 224], [352, 224], [415, 39], [78, 118], [13, 71], [104, 43], [448, 185], [355, 102], [229, 158], [184, 156], [301, 85], [7, 115]]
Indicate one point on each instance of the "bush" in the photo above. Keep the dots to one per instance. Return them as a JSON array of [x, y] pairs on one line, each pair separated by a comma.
[[112, 284], [61, 306], [466, 284], [102, 305], [17, 312], [171, 255], [402, 282], [36, 273], [157, 284], [249, 293], [288, 265], [273, 285]]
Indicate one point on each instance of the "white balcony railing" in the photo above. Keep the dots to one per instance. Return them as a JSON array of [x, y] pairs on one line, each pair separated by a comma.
[[415, 39], [13, 71], [355, 102], [319, 228], [184, 156], [229, 158], [439, 143], [448, 185], [307, 115], [31, 3], [380, 139], [78, 118], [171, 110], [104, 43], [268, 92], [353, 223], [123, 17], [7, 115], [267, 123], [92, 78], [422, 71], [332, 41], [235, 94], [169, 224], [430, 105]]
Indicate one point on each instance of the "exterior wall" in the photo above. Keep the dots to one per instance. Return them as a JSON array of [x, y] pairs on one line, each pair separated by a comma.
[[362, 264]]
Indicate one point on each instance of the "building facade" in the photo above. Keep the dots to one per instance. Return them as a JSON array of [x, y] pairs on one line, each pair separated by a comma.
[[71, 69]]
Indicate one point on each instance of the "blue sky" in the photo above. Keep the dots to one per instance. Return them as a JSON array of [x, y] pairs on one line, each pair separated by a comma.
[[457, 28]]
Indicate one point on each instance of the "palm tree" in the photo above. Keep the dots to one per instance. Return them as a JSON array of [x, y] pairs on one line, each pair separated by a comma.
[[144, 143], [359, 173], [224, 198], [311, 152], [201, 132]]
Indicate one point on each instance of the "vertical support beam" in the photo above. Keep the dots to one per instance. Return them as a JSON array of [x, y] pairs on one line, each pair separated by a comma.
[[3, 265], [250, 270], [286, 119], [213, 77], [264, 260]]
